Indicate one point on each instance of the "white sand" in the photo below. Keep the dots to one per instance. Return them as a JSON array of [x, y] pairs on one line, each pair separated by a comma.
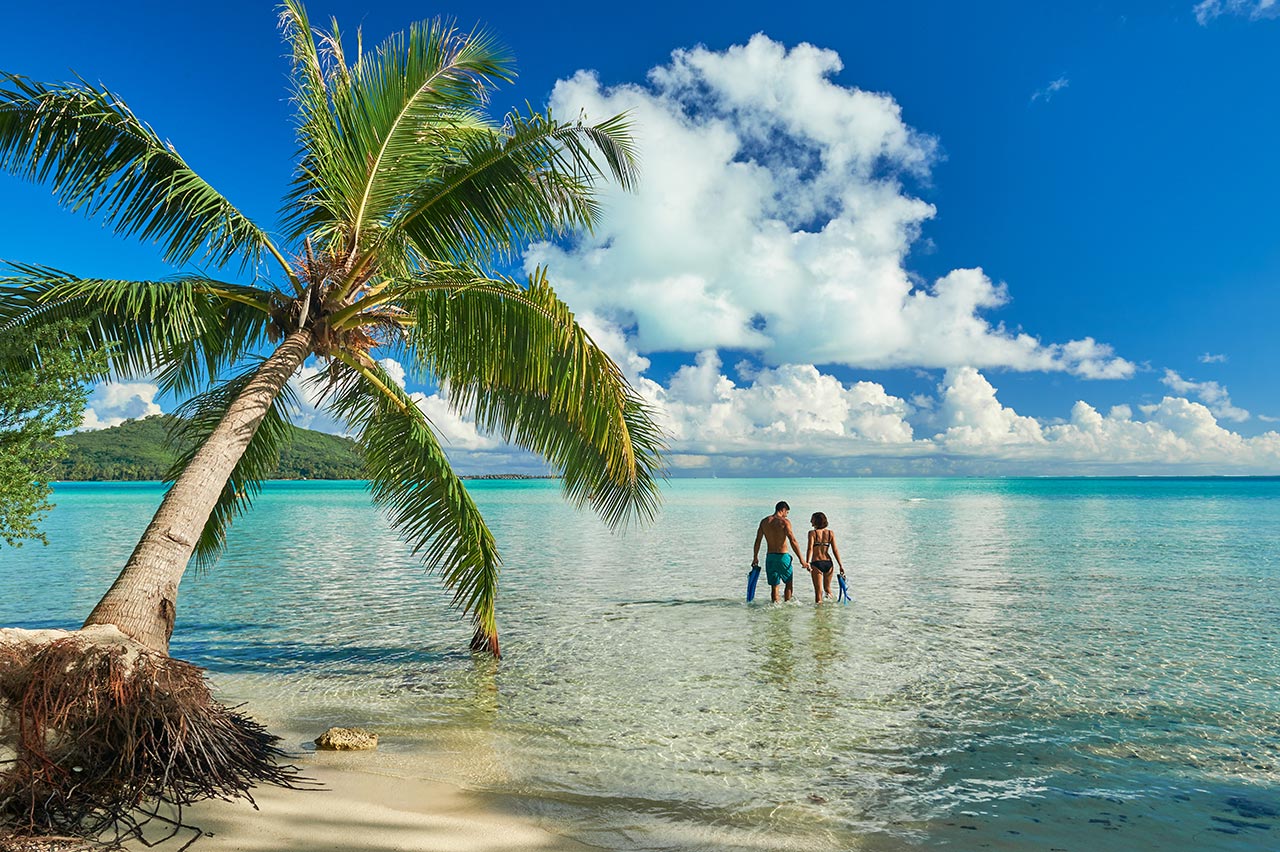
[[365, 810]]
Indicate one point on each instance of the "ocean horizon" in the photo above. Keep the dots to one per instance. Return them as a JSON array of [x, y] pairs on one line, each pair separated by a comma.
[[1027, 663]]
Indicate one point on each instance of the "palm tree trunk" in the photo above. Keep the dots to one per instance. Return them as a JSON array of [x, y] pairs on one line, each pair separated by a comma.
[[142, 601]]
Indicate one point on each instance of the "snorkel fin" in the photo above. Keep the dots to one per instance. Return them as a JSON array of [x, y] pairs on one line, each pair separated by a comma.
[[843, 597], [751, 584]]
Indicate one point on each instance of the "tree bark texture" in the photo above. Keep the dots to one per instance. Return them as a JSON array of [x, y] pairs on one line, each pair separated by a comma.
[[142, 602]]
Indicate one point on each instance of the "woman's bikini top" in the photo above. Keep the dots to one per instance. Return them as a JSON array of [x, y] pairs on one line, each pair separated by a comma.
[[822, 542]]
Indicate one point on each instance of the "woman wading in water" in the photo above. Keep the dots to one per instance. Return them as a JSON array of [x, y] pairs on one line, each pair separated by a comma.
[[822, 545]]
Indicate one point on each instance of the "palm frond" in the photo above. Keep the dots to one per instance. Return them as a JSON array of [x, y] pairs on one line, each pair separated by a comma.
[[195, 421], [501, 190], [235, 328], [419, 92], [370, 131], [325, 175], [411, 479], [99, 157], [183, 329], [517, 359]]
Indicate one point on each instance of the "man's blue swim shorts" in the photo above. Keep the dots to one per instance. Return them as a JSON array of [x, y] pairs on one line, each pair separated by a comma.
[[777, 567]]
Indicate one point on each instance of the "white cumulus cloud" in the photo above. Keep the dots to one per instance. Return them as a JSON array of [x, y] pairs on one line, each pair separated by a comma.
[[1212, 394], [456, 431], [976, 420], [395, 370], [771, 217], [1177, 435], [794, 407], [112, 403]]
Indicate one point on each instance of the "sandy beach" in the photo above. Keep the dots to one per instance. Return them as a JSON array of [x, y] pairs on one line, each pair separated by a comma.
[[365, 809]]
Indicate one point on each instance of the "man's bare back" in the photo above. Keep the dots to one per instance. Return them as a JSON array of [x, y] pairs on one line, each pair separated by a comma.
[[776, 530]]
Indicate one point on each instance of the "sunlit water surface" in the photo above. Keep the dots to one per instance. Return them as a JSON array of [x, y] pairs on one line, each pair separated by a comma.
[[1026, 664]]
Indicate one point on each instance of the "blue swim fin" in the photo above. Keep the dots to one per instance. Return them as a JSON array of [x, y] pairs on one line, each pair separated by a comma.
[[844, 589], [751, 584]]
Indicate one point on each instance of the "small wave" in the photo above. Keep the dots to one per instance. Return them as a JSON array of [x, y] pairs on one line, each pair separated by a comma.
[[681, 602]]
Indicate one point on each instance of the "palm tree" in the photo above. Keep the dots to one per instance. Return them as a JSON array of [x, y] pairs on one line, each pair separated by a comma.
[[405, 197]]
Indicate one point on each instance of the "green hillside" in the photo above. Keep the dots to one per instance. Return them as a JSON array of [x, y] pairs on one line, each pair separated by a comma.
[[136, 450]]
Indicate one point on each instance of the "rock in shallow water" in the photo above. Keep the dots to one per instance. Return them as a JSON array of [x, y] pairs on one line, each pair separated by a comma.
[[346, 739]]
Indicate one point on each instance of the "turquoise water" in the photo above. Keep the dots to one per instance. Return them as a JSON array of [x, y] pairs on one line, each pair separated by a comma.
[[1027, 664]]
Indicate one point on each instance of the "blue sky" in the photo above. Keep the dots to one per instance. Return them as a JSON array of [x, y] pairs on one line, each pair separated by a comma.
[[1108, 164]]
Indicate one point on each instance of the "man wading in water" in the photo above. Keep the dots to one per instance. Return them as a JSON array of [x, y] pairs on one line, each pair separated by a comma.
[[776, 530]]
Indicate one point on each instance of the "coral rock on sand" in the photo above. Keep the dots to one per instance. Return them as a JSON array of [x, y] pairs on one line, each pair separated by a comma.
[[346, 739]]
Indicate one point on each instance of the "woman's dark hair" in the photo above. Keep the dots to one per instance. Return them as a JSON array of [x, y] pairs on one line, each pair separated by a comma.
[[819, 520]]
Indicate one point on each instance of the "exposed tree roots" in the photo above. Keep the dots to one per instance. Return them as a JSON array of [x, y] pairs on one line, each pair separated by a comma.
[[99, 739]]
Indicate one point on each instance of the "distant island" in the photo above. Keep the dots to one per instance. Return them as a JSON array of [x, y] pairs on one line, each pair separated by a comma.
[[136, 451], [506, 476]]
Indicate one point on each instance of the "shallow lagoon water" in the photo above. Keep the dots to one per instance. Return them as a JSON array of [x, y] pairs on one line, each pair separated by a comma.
[[1026, 664]]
